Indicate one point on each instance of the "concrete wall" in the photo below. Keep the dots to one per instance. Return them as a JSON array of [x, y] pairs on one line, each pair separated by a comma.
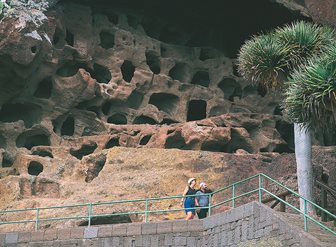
[[248, 225]]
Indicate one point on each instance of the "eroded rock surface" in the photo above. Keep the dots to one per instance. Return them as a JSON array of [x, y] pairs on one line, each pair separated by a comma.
[[82, 80]]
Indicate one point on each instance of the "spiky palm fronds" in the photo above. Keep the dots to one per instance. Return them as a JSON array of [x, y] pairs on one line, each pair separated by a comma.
[[304, 40], [311, 93], [263, 60]]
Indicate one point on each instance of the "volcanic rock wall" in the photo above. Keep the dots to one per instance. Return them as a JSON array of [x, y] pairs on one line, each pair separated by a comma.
[[124, 74], [82, 78]]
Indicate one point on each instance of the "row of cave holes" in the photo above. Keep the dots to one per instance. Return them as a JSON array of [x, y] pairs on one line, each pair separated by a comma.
[[31, 113], [179, 72], [42, 140], [107, 41]]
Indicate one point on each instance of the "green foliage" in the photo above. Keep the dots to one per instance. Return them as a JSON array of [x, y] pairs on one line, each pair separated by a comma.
[[301, 59], [263, 59], [310, 98], [304, 40], [270, 58]]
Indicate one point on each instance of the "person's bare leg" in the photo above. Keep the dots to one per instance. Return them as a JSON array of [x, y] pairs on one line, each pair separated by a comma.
[[190, 216]]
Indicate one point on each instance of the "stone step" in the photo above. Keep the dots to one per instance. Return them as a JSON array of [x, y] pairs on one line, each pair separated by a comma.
[[324, 236]]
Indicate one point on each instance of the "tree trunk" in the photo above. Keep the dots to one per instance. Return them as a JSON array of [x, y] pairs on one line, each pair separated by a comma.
[[303, 155]]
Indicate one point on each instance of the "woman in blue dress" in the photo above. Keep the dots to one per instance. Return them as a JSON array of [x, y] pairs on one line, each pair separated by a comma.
[[188, 200]]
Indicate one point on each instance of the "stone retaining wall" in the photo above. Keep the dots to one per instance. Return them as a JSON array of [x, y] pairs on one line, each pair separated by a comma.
[[248, 225]]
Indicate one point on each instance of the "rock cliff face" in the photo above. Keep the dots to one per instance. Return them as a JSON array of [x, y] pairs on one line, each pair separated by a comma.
[[86, 76]]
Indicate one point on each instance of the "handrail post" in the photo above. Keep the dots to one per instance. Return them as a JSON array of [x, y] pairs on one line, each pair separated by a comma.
[[233, 195], [146, 212], [37, 219], [323, 203], [210, 204], [260, 189], [90, 213], [305, 215]]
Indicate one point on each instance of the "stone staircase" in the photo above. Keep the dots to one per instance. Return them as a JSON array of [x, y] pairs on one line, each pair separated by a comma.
[[326, 238]]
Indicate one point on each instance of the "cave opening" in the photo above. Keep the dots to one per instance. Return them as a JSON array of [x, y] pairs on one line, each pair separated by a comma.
[[106, 40], [85, 149], [180, 72], [127, 70], [35, 168], [43, 153], [286, 131], [106, 107], [101, 73], [31, 139], [135, 99], [30, 113], [57, 37], [153, 62], [44, 88], [113, 142], [68, 127], [144, 120], [201, 78], [95, 168], [196, 110], [168, 121], [254, 90], [175, 140], [164, 102], [144, 140], [230, 88], [7, 160], [117, 118], [69, 38]]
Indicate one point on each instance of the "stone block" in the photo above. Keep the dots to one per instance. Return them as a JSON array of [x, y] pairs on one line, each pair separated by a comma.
[[63, 234], [164, 227], [50, 235], [209, 222], [168, 240], [117, 241], [77, 233], [105, 231], [37, 236], [195, 225], [106, 242], [129, 241], [133, 229], [244, 230], [24, 237], [191, 241], [180, 226], [154, 240], [91, 243], [11, 238], [90, 232], [237, 234], [2, 239], [138, 240], [149, 228], [180, 241], [119, 230], [259, 233], [145, 240]]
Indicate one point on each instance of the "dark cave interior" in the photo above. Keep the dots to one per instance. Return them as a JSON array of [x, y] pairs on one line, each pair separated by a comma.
[[224, 25]]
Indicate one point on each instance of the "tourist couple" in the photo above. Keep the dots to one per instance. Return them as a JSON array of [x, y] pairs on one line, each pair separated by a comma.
[[201, 199]]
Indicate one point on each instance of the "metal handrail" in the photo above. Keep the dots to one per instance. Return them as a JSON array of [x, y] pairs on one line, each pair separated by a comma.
[[261, 179]]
